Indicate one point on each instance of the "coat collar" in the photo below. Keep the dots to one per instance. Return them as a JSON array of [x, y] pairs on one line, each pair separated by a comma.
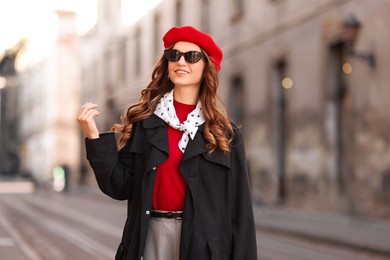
[[153, 121], [195, 147], [198, 146], [157, 133]]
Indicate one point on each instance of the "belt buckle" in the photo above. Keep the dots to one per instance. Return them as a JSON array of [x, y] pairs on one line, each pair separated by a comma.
[[175, 215]]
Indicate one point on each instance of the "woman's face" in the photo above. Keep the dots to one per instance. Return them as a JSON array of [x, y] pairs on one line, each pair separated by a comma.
[[183, 73]]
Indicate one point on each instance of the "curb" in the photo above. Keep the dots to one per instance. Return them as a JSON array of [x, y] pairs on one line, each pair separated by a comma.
[[370, 235]]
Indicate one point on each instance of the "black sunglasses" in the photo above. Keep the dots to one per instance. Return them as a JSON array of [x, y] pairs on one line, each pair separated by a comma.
[[189, 56]]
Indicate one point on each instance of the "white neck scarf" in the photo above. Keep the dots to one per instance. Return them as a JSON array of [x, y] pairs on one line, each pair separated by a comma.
[[166, 111]]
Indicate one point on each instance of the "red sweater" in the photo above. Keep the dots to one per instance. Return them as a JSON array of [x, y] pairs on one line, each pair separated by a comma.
[[170, 185]]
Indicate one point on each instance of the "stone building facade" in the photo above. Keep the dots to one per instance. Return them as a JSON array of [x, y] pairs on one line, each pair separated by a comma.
[[73, 70], [48, 99], [313, 112], [312, 108]]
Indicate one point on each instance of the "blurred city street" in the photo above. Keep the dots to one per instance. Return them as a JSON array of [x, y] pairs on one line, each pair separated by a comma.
[[307, 83], [85, 224]]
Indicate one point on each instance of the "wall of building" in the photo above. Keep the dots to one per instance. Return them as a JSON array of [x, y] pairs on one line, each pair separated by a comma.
[[309, 146], [49, 98], [321, 144]]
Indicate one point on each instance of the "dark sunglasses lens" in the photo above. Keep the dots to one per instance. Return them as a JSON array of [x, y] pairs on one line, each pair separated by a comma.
[[172, 55], [193, 56], [190, 57]]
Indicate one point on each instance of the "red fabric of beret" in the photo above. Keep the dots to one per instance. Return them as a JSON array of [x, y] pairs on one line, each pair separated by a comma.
[[203, 40]]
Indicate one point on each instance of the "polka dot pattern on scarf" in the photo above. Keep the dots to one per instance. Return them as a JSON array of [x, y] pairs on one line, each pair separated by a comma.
[[166, 111]]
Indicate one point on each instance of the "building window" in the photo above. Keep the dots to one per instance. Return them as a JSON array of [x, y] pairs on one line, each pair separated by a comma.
[[67, 25], [107, 10], [237, 8], [279, 74], [205, 16], [236, 99], [122, 60], [137, 52], [108, 66], [179, 13], [338, 93], [156, 35]]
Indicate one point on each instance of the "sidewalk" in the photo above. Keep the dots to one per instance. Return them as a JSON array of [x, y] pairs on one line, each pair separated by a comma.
[[16, 185], [369, 234]]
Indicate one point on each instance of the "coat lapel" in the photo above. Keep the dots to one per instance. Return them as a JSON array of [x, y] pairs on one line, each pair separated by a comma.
[[198, 146], [157, 136], [195, 147], [190, 162]]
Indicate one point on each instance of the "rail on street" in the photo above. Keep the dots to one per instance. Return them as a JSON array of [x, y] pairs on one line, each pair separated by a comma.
[[86, 225]]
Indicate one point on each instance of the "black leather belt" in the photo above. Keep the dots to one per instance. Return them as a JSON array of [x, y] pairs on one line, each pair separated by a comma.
[[168, 214]]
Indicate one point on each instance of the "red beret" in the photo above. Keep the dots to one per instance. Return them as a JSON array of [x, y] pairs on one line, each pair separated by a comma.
[[203, 40]]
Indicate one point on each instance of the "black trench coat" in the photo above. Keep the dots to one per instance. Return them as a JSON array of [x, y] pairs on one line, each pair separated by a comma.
[[218, 217]]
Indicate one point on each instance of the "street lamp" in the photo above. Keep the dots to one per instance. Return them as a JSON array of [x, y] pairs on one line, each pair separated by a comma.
[[351, 28]]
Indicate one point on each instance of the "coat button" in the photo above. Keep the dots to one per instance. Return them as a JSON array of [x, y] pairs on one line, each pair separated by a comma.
[[154, 168], [147, 212]]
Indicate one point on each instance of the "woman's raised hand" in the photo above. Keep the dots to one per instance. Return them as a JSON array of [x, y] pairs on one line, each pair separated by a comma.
[[86, 120]]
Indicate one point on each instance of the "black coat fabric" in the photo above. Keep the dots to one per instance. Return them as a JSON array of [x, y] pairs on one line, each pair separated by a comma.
[[218, 218]]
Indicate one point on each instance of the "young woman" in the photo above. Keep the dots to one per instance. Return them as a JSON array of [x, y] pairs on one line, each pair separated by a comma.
[[181, 164]]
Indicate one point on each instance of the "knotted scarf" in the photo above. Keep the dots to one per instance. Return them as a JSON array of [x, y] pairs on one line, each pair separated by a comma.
[[166, 111]]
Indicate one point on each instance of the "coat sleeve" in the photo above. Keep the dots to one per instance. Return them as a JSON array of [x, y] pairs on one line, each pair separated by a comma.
[[112, 168], [244, 232]]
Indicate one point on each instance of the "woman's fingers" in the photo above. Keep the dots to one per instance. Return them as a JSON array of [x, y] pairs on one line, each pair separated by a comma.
[[89, 115], [84, 109], [86, 120]]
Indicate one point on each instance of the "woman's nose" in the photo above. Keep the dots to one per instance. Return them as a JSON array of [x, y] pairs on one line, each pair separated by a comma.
[[181, 60]]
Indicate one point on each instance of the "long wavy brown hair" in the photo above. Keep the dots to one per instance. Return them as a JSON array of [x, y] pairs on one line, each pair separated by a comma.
[[217, 129]]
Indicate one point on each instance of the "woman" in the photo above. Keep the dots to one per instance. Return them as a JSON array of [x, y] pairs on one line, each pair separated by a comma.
[[182, 164]]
